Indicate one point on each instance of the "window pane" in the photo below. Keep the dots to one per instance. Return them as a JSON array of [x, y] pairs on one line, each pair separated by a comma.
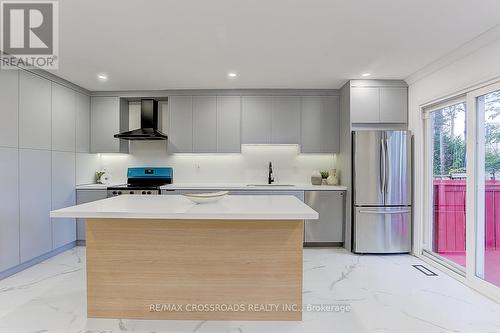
[[488, 197], [449, 185]]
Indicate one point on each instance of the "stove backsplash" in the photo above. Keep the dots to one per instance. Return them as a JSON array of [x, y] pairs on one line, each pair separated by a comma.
[[251, 166]]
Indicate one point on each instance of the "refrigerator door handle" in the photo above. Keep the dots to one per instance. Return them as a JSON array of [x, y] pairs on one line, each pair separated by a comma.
[[382, 166], [387, 166], [384, 211]]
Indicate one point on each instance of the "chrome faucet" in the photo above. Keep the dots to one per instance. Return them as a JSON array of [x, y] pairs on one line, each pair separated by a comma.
[[270, 176]]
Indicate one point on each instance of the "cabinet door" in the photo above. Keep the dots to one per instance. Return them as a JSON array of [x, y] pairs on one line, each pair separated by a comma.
[[204, 124], [181, 124], [330, 226], [330, 130], [285, 120], [34, 111], [63, 118], [393, 104], [9, 94], [228, 124], [365, 104], [82, 123], [104, 123], [63, 195], [311, 124], [9, 208], [84, 196], [35, 203], [256, 119]]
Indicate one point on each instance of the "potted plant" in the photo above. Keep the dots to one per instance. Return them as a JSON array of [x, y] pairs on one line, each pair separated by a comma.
[[324, 176]]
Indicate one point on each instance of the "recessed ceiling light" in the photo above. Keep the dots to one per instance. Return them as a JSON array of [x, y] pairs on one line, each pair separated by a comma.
[[366, 74], [102, 77], [232, 75]]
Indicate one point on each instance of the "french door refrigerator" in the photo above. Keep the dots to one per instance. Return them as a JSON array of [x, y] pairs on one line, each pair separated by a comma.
[[381, 191]]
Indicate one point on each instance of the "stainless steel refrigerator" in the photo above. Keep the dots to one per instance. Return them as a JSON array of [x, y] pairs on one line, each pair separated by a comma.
[[382, 191]]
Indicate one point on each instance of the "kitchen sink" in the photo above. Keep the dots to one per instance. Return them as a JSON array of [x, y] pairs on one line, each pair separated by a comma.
[[268, 185]]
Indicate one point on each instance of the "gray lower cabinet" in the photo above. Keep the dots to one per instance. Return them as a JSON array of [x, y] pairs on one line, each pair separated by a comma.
[[35, 203], [320, 124], [63, 195], [9, 95], [9, 208], [34, 111], [84, 196], [330, 226], [63, 118]]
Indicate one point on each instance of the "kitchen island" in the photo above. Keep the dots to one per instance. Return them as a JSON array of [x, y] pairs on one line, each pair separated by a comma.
[[164, 257]]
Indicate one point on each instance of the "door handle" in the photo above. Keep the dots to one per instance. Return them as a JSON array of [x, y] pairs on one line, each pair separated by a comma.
[[384, 212], [387, 166], [382, 165]]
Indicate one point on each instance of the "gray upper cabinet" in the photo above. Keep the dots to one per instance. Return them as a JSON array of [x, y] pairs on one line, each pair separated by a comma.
[[365, 105], [9, 208], [204, 124], [35, 203], [228, 124], [63, 118], [9, 94], [379, 104], [320, 117], [285, 122], [63, 195], [393, 104], [34, 111], [180, 135], [82, 123], [256, 118], [106, 120]]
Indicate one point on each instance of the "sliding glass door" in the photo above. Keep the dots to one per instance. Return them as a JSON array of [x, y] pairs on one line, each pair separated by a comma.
[[486, 230], [446, 177]]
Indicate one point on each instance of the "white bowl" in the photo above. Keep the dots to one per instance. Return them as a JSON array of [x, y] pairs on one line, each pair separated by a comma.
[[205, 197]]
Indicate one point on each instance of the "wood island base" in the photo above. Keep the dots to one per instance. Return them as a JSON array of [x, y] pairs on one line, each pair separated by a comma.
[[194, 269]]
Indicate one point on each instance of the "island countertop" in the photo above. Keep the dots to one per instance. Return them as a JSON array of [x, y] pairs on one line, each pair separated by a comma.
[[231, 207]]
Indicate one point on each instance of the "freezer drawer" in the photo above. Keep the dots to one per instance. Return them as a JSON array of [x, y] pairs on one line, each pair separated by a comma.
[[330, 226], [382, 230]]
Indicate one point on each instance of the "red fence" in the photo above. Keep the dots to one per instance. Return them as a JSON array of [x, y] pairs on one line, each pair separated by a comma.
[[449, 215]]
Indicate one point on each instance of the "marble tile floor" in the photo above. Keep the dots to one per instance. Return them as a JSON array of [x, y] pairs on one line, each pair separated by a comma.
[[379, 294]]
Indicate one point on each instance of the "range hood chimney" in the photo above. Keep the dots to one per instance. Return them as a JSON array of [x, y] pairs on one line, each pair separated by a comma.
[[149, 124]]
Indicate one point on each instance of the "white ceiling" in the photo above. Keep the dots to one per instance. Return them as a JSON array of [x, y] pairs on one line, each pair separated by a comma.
[[187, 44]]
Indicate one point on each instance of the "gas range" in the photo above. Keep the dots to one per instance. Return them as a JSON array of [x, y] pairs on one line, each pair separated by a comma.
[[143, 181]]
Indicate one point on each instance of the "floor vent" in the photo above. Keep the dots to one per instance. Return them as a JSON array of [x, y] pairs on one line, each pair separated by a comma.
[[425, 270]]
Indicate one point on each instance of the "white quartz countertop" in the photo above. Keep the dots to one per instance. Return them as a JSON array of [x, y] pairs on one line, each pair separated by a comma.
[[253, 187], [230, 186], [237, 207]]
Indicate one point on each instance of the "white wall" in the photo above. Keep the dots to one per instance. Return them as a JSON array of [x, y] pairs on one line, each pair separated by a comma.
[[474, 64], [250, 166]]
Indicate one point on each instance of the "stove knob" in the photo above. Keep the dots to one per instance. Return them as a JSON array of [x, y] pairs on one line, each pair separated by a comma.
[[119, 192], [143, 192], [149, 192], [114, 192], [131, 192]]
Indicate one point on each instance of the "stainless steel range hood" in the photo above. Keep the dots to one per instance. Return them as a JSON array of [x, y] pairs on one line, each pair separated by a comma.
[[149, 124]]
